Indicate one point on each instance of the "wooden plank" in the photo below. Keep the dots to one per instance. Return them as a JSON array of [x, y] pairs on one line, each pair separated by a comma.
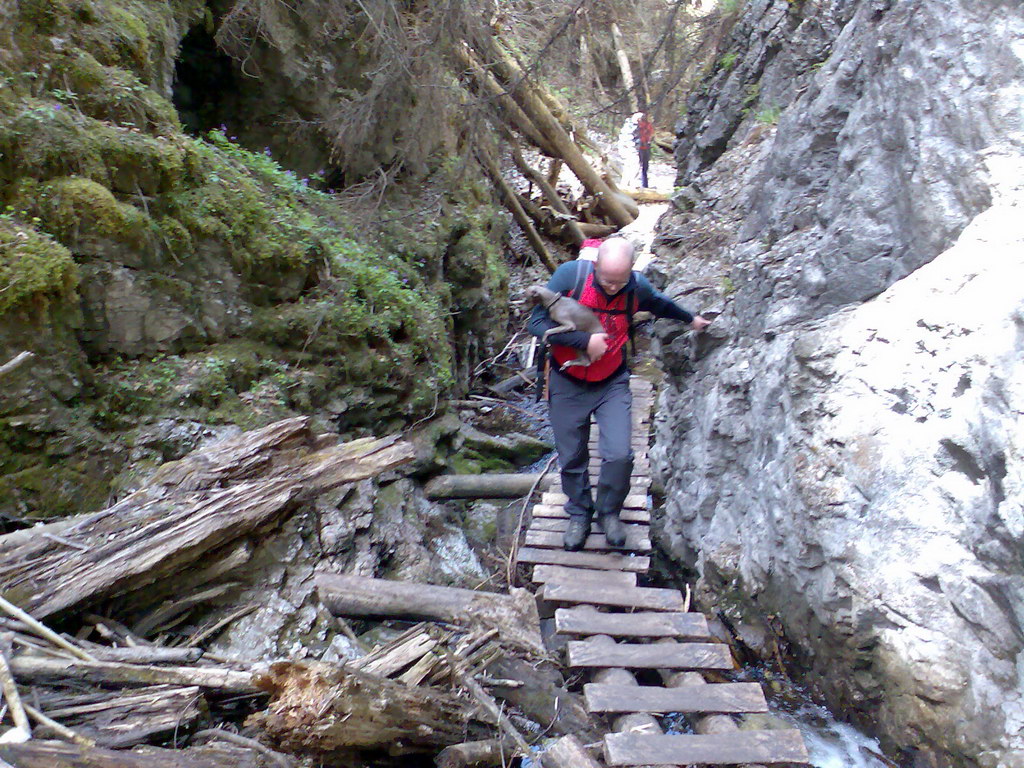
[[612, 561], [765, 747], [572, 621], [633, 501], [584, 653], [626, 515], [546, 574], [648, 598], [718, 697], [595, 542], [561, 523]]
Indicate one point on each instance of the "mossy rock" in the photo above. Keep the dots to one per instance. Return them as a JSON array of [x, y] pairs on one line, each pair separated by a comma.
[[33, 266]]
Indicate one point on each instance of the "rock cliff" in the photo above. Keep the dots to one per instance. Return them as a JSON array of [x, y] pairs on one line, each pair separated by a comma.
[[844, 450]]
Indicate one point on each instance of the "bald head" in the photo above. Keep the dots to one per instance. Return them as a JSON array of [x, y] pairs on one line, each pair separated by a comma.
[[614, 264]]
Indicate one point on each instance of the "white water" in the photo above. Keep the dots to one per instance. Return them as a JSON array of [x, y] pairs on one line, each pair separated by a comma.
[[832, 744]]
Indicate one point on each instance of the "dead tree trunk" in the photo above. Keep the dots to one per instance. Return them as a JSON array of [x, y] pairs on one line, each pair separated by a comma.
[[569, 224], [318, 708], [189, 508], [627, 72], [533, 103], [515, 615], [490, 486], [511, 201], [51, 754]]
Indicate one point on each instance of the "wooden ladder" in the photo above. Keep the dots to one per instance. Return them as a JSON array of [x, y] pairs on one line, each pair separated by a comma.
[[619, 626]]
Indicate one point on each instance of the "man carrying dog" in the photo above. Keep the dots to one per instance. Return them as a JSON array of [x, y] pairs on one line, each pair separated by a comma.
[[614, 292]]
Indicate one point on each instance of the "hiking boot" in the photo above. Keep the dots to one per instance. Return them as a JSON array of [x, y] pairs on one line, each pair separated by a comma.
[[614, 532], [576, 534]]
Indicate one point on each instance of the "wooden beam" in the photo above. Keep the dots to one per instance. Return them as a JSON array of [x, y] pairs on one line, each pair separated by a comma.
[[646, 598], [764, 747], [718, 697], [635, 541], [574, 621], [626, 515], [584, 653], [543, 574], [605, 561]]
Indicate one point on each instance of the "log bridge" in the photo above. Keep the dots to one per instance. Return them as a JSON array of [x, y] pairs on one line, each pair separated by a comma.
[[616, 626]]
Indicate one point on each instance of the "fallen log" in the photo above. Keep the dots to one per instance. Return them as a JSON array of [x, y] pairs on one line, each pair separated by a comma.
[[320, 709], [568, 752], [513, 615], [489, 486], [190, 507], [16, 362], [548, 125], [475, 754], [512, 202], [40, 669], [146, 654], [58, 754], [124, 717], [520, 379]]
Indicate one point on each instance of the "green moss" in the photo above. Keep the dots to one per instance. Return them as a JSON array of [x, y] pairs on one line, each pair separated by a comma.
[[110, 93], [32, 264], [73, 206], [43, 140], [56, 489], [43, 15]]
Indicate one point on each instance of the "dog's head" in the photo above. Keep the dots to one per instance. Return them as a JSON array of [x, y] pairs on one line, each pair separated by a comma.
[[535, 293]]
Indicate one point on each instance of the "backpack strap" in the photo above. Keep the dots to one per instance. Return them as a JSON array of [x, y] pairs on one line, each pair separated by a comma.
[[583, 269]]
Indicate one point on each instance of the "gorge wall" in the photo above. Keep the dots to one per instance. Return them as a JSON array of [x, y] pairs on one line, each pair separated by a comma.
[[844, 449]]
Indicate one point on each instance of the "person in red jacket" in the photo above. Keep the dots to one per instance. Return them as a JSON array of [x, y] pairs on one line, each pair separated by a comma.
[[643, 138], [615, 292]]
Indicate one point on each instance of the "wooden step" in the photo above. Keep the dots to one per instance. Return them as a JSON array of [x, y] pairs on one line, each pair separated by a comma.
[[626, 515], [635, 542], [647, 598], [638, 463], [633, 501], [611, 561], [595, 560], [573, 621], [561, 523], [712, 698], [585, 653], [560, 574], [763, 747]]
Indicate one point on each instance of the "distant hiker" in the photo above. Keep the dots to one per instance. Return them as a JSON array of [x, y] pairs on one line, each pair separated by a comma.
[[643, 137], [611, 288]]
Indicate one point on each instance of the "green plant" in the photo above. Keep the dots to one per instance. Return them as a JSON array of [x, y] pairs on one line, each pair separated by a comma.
[[730, 6], [728, 287], [728, 60], [768, 115]]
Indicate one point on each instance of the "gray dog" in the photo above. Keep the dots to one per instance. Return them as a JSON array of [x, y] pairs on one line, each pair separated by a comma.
[[570, 316]]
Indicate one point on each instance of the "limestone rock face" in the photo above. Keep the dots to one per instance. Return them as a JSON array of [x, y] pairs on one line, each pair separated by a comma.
[[845, 451]]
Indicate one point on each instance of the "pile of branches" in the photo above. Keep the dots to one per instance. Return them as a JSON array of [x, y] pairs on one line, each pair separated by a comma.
[[94, 673]]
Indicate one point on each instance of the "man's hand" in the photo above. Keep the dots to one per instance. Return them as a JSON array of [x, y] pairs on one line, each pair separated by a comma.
[[597, 346], [699, 323]]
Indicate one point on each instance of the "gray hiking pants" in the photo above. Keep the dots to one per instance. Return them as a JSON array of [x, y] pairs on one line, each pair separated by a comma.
[[570, 406]]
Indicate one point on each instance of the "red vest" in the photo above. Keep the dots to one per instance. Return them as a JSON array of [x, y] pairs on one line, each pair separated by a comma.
[[614, 316]]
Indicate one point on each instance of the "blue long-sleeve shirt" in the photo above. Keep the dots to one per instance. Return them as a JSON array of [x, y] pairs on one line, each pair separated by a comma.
[[648, 299]]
